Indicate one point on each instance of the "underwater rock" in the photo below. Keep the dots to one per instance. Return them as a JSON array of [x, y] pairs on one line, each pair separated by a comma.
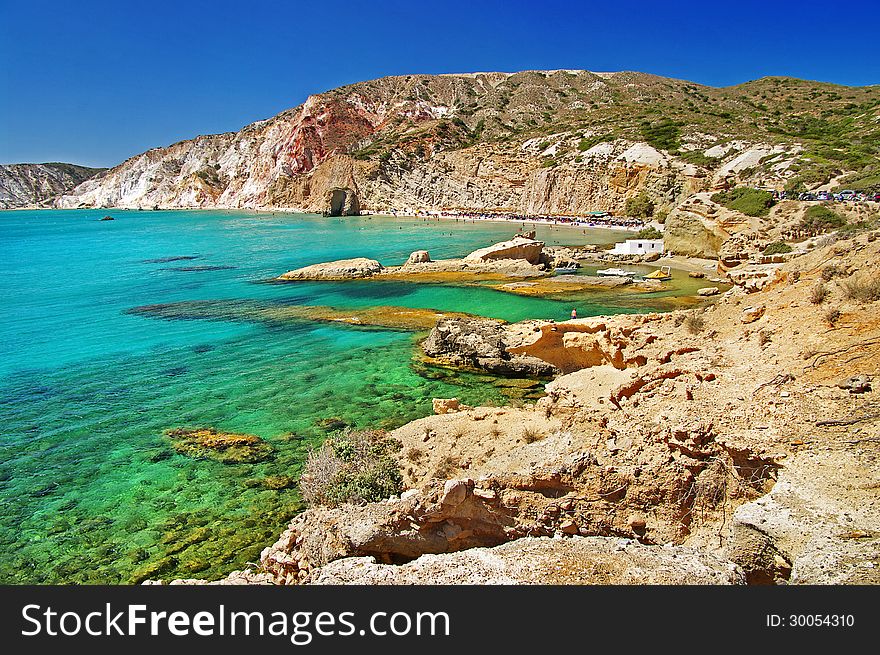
[[273, 482], [173, 258], [332, 424], [224, 447], [198, 269]]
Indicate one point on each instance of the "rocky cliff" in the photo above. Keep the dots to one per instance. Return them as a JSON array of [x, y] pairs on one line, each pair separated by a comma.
[[534, 142], [29, 185]]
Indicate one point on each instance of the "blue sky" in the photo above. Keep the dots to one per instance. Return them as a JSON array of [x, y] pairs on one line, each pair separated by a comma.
[[94, 82]]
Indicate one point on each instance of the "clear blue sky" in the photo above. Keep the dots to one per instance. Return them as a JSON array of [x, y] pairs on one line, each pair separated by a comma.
[[94, 82]]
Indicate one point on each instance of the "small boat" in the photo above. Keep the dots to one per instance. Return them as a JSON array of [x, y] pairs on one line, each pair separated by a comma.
[[663, 273], [565, 270], [616, 272]]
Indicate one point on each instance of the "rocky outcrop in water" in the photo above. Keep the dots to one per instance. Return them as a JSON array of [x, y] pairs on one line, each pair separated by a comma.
[[479, 343], [517, 248], [32, 185], [343, 269]]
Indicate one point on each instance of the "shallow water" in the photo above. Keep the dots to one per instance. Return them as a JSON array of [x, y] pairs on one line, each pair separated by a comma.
[[91, 490]]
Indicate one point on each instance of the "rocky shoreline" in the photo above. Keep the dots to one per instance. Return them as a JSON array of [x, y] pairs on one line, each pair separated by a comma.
[[522, 265], [723, 445]]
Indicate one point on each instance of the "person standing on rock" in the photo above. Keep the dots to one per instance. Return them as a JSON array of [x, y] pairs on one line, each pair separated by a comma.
[[574, 313]]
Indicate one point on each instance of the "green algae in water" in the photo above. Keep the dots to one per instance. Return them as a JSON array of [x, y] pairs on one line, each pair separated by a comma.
[[92, 490]]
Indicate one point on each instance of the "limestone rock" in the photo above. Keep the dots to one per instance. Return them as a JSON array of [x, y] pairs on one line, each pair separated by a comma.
[[516, 248], [708, 291], [342, 201], [818, 523], [752, 314], [455, 491], [419, 257], [478, 343], [225, 447], [856, 384], [343, 269], [445, 405], [543, 560]]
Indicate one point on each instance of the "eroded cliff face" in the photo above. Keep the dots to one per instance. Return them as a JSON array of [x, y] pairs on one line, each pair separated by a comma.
[[32, 185], [555, 142]]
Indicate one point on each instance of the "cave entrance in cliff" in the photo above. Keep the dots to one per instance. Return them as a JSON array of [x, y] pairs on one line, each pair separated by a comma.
[[337, 201]]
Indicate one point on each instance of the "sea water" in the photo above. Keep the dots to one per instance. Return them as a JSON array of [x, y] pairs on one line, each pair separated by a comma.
[[91, 489]]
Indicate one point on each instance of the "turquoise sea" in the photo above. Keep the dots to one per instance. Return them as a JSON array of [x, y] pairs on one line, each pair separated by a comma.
[[91, 490]]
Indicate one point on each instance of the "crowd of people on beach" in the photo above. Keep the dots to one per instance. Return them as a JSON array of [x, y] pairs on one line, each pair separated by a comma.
[[591, 219]]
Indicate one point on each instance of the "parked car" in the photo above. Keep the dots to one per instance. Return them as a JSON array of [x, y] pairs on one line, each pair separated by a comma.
[[807, 196], [846, 194], [874, 196], [824, 195]]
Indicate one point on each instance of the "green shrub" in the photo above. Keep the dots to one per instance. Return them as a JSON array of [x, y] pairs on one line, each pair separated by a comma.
[[777, 248], [819, 218], [649, 233], [640, 206], [352, 467], [751, 202], [587, 143], [794, 187], [663, 134], [699, 158]]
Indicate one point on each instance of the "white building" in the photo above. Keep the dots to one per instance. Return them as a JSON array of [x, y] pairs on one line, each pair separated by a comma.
[[638, 247]]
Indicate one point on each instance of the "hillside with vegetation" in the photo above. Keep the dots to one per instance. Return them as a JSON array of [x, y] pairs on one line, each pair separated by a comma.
[[554, 142]]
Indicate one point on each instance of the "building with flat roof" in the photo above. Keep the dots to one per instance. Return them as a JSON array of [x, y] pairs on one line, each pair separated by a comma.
[[638, 247]]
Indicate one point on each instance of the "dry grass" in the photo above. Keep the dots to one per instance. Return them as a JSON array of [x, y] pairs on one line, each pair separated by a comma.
[[819, 294], [832, 271], [832, 316], [414, 454], [446, 467], [862, 290], [694, 323], [531, 435]]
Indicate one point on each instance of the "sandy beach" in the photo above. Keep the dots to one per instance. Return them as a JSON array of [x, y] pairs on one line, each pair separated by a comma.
[[524, 223]]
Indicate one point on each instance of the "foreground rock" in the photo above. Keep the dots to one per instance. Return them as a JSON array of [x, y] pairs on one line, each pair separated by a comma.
[[819, 524], [343, 269], [542, 560]]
